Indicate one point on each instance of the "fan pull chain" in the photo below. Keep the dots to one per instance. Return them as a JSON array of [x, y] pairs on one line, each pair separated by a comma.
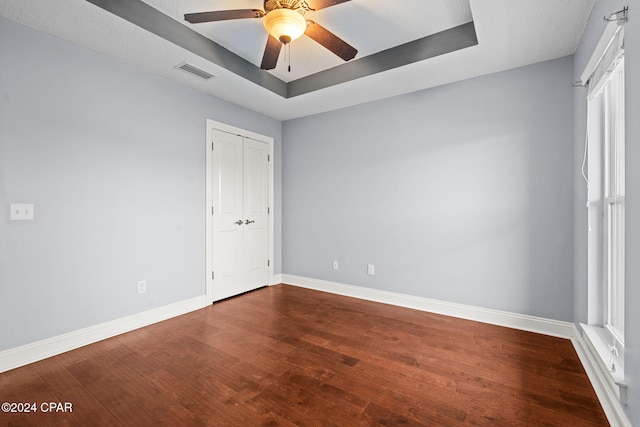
[[288, 53]]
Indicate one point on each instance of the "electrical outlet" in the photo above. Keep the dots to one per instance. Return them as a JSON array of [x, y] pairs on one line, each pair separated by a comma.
[[371, 269], [335, 265], [142, 286]]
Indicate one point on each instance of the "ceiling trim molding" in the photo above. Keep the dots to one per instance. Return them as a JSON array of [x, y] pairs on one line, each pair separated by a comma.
[[433, 45], [144, 16]]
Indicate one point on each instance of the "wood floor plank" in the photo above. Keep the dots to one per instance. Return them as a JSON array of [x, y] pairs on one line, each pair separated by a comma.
[[29, 387], [56, 376], [288, 356], [13, 418], [87, 410], [115, 389]]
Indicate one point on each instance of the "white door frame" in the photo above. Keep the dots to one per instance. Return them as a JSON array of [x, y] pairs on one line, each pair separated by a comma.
[[213, 125]]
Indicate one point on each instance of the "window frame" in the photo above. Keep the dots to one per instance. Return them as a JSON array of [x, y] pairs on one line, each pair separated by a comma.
[[614, 206]]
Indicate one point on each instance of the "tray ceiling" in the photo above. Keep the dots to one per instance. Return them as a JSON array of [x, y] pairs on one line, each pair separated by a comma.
[[395, 41]]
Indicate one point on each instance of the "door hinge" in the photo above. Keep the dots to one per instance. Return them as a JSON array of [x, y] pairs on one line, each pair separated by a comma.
[[212, 210], [268, 157], [212, 146], [213, 275], [268, 211], [268, 263]]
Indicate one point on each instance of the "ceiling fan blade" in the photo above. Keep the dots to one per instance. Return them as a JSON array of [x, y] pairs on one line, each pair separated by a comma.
[[321, 4], [329, 40], [223, 15], [271, 54]]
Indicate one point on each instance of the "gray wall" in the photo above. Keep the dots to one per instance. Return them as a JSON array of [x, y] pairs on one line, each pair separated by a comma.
[[461, 193], [592, 34], [113, 158]]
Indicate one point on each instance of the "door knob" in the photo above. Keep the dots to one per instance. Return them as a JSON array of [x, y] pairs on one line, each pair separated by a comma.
[[239, 222], [248, 222]]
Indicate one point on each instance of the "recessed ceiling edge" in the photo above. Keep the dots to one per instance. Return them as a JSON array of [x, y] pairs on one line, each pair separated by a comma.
[[447, 41]]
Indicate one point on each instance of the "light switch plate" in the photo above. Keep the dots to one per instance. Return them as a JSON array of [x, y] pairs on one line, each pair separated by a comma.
[[21, 211]]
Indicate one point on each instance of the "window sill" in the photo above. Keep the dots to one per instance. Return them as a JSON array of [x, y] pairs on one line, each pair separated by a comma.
[[597, 340]]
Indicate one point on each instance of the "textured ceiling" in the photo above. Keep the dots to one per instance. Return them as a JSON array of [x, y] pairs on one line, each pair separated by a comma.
[[510, 33]]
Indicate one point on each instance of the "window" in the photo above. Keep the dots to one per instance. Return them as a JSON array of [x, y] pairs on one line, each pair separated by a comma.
[[605, 161], [614, 162]]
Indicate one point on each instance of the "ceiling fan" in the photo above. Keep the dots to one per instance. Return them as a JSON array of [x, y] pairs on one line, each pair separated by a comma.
[[284, 21]]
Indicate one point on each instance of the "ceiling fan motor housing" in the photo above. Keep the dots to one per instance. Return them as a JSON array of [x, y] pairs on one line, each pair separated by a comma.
[[297, 5]]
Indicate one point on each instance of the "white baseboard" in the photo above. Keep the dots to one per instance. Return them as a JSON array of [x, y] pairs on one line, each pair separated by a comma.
[[609, 401], [277, 279], [601, 382], [29, 353], [540, 325]]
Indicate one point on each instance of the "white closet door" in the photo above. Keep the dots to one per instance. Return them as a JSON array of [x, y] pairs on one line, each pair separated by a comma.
[[240, 214], [256, 205]]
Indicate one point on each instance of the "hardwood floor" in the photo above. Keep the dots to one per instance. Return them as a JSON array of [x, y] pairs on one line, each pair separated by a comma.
[[287, 356]]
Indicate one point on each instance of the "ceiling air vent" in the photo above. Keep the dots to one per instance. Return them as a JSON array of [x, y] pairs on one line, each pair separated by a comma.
[[195, 71]]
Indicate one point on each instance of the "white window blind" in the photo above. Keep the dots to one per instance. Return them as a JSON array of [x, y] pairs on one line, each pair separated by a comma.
[[607, 63], [609, 49]]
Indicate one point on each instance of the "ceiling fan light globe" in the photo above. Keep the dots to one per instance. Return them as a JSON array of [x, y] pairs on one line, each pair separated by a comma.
[[285, 25]]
